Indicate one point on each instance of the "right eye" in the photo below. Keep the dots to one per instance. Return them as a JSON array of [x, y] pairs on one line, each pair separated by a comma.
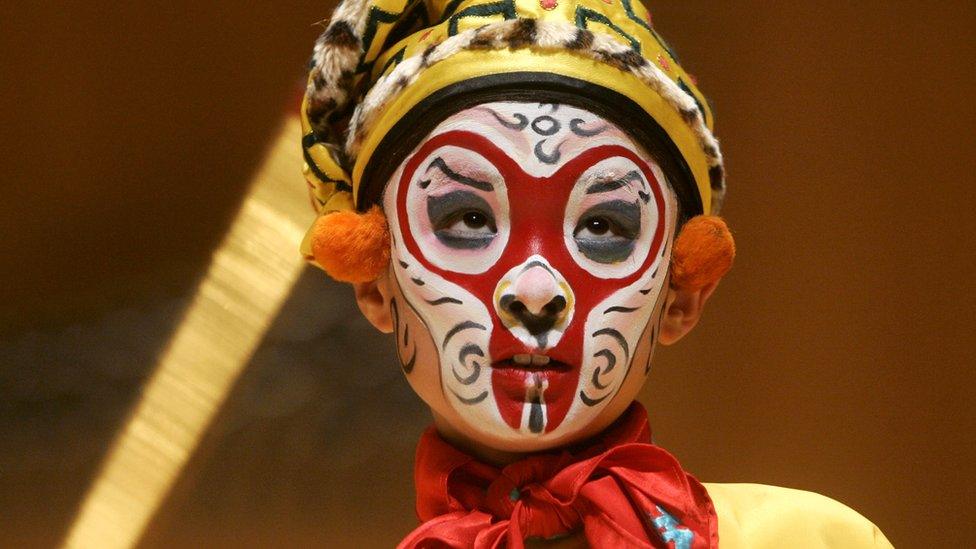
[[474, 220], [461, 220]]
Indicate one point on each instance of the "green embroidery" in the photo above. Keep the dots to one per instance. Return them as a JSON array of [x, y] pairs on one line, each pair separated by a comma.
[[505, 8], [584, 15], [394, 60], [376, 16], [629, 10], [308, 140], [449, 10]]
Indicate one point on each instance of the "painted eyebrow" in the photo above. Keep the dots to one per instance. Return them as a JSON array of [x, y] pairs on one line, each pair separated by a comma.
[[464, 180], [614, 184]]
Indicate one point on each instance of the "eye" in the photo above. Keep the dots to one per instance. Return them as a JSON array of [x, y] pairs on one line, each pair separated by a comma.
[[596, 226], [461, 220], [607, 232], [475, 220], [469, 222]]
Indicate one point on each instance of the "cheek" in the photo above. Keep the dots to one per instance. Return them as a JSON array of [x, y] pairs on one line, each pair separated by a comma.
[[642, 340], [640, 368], [416, 351]]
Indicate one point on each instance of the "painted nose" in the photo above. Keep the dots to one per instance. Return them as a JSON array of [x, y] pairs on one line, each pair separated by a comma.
[[535, 300]]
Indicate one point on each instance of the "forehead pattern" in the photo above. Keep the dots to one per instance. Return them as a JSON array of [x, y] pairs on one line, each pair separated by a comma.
[[540, 136]]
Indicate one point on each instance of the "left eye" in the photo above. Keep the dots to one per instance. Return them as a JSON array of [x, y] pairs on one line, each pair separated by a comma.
[[607, 232]]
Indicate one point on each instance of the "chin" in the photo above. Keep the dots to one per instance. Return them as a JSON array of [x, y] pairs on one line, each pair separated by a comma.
[[504, 439], [533, 404]]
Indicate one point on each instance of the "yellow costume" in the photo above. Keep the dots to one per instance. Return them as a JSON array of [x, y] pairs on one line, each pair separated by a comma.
[[381, 65], [757, 516]]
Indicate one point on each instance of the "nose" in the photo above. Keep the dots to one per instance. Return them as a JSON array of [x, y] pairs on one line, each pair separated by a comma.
[[534, 299]]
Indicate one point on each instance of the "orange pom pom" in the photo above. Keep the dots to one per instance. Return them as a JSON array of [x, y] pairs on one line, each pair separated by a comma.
[[703, 253], [352, 246]]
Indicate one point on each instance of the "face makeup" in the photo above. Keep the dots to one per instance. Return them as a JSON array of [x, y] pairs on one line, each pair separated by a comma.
[[530, 246]]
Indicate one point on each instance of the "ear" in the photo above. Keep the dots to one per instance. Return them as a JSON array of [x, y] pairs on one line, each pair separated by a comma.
[[374, 299], [683, 309]]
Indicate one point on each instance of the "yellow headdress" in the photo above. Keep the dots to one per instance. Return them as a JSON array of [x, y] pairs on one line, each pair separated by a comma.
[[381, 64]]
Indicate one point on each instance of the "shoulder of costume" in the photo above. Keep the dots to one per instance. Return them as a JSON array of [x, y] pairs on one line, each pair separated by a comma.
[[760, 516]]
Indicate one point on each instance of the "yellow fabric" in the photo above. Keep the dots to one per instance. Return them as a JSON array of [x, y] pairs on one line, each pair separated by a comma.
[[470, 64], [757, 516], [650, 45], [433, 21]]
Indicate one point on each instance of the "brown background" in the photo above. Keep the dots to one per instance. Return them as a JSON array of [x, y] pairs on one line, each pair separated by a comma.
[[836, 357]]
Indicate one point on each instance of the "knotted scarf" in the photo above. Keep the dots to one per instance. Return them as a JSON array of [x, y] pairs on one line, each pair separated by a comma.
[[620, 490]]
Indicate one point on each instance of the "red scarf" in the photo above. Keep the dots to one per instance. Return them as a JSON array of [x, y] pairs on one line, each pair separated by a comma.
[[622, 491]]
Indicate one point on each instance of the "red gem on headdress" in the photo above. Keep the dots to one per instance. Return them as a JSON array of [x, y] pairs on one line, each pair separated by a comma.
[[608, 1], [425, 35], [663, 61], [548, 4]]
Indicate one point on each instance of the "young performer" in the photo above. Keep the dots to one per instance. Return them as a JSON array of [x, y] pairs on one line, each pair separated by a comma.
[[524, 192]]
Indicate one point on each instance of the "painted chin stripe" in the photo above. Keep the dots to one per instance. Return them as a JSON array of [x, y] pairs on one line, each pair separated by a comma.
[[536, 425]]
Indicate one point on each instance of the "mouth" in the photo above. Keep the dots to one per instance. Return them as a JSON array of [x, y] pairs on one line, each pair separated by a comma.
[[531, 362], [533, 391]]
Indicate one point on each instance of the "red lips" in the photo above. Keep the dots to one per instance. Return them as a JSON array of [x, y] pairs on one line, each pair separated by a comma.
[[514, 387]]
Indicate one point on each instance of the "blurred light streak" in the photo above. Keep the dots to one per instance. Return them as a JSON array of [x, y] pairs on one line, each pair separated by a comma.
[[250, 275]]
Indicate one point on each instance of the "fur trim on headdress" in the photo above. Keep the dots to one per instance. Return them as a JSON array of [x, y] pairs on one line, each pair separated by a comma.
[[542, 35], [339, 52], [703, 253], [352, 246]]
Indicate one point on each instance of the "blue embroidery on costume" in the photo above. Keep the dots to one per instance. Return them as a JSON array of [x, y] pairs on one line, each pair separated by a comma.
[[671, 530]]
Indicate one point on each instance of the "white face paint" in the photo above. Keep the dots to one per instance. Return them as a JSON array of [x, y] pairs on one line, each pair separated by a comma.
[[530, 245]]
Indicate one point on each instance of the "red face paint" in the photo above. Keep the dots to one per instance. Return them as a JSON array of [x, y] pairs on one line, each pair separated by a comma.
[[537, 210]]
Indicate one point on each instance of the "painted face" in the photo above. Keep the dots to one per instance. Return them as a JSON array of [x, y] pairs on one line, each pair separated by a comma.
[[530, 251]]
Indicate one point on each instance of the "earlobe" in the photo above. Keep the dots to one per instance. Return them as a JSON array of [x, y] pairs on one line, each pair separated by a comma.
[[374, 299], [682, 311]]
